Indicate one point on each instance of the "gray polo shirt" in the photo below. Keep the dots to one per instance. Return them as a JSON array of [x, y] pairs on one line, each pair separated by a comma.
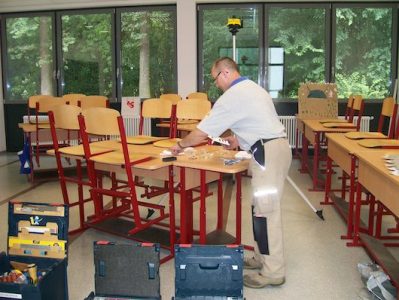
[[246, 109]]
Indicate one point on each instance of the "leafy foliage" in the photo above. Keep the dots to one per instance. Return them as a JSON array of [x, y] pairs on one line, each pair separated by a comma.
[[363, 45]]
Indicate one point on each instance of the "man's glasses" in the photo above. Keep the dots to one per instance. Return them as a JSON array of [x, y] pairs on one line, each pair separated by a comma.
[[216, 78]]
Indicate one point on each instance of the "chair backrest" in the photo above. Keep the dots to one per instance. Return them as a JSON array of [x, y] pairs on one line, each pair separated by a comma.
[[388, 111], [175, 98], [93, 101], [73, 98], [198, 95], [63, 121], [193, 109], [44, 105], [349, 106], [101, 121], [357, 110], [35, 98], [154, 108], [65, 116]]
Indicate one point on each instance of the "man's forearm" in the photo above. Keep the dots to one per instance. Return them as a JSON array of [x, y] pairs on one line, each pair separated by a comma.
[[195, 137]]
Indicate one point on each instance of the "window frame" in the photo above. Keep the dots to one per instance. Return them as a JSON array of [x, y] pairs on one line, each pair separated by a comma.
[[394, 36], [4, 50], [200, 32], [118, 45], [60, 73], [330, 34]]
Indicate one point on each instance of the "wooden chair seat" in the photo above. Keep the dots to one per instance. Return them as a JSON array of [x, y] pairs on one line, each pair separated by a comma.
[[333, 121], [379, 143], [143, 139], [117, 158], [167, 143], [359, 135], [339, 125]]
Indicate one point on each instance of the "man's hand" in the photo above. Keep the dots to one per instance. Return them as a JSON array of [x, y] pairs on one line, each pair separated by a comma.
[[232, 141], [176, 149]]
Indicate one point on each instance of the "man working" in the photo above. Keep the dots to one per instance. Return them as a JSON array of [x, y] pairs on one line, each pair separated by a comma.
[[248, 111]]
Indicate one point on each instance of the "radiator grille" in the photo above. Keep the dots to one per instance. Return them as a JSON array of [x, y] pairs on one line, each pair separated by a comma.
[[132, 126]]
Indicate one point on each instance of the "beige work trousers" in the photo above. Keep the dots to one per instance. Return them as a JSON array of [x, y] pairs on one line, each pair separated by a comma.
[[267, 185]]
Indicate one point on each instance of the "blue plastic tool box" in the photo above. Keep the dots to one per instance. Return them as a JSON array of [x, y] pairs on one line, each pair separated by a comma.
[[126, 271], [37, 234], [208, 272]]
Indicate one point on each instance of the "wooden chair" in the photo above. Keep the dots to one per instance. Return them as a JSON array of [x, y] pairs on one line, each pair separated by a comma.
[[189, 112], [42, 106], [388, 112], [175, 98], [104, 122], [156, 109], [73, 98], [64, 122], [198, 95], [32, 106], [356, 110], [93, 101], [349, 106]]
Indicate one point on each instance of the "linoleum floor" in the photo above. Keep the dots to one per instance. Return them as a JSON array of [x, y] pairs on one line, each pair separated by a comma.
[[319, 265]]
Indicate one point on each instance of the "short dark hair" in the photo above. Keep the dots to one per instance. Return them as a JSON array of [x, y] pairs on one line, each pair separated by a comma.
[[225, 62]]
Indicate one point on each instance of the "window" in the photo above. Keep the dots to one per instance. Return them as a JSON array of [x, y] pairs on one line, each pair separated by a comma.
[[217, 41], [110, 52], [353, 45], [28, 62], [148, 52], [363, 45], [300, 34], [87, 60]]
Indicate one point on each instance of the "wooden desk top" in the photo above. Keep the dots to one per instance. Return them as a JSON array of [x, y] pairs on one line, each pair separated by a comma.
[[27, 127], [351, 146], [212, 160], [379, 143], [375, 176]]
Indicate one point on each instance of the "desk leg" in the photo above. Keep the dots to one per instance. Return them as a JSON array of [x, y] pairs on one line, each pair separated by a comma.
[[304, 156], [351, 205], [80, 193], [220, 203], [238, 209], [316, 150], [183, 207], [203, 208], [328, 182], [172, 225], [356, 221]]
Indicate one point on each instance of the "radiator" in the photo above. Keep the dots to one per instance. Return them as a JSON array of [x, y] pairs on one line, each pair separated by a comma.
[[132, 126], [290, 126]]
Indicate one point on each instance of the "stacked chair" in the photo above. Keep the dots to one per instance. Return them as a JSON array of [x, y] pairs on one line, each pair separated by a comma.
[[104, 123], [40, 105], [198, 95]]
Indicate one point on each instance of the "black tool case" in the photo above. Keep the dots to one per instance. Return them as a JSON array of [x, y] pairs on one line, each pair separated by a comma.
[[127, 271], [208, 272], [37, 234]]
